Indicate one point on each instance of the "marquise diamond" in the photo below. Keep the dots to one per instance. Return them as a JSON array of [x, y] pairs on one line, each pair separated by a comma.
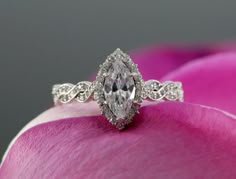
[[119, 89]]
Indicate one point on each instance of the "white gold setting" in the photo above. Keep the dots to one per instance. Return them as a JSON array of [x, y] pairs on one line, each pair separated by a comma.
[[118, 89]]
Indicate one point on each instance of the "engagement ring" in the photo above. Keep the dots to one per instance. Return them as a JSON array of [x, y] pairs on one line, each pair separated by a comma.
[[118, 89]]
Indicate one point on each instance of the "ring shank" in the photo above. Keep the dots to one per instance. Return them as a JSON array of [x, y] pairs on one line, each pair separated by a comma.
[[169, 90], [83, 91]]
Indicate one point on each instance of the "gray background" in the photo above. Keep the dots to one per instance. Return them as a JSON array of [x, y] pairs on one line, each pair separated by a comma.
[[48, 41]]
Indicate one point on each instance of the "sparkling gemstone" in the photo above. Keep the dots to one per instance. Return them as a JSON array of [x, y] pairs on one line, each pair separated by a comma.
[[119, 89]]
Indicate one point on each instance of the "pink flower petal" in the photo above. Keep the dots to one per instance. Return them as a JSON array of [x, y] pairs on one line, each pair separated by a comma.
[[168, 140], [157, 61], [209, 81]]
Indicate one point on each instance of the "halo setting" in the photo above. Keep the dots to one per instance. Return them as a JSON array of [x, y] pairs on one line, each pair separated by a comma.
[[118, 89]]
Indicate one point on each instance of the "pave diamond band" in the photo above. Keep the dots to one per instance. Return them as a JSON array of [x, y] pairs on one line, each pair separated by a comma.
[[154, 90], [84, 91], [118, 89], [65, 93]]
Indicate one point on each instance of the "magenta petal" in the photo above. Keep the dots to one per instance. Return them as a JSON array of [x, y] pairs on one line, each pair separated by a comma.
[[209, 81], [168, 140], [157, 61]]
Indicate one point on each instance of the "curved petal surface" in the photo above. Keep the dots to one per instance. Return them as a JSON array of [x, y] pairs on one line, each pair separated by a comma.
[[209, 81], [167, 140], [156, 61]]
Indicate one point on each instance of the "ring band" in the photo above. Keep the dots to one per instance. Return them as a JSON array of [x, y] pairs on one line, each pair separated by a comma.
[[118, 89]]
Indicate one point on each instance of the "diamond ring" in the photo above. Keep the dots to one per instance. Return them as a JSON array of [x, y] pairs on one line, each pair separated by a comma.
[[118, 89]]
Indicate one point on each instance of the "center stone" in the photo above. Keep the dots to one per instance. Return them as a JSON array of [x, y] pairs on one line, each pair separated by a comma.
[[119, 89]]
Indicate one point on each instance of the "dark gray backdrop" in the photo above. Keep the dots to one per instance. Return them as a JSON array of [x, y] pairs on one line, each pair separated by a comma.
[[48, 41]]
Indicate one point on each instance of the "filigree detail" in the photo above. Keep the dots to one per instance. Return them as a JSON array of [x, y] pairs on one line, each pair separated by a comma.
[[67, 92], [168, 90]]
